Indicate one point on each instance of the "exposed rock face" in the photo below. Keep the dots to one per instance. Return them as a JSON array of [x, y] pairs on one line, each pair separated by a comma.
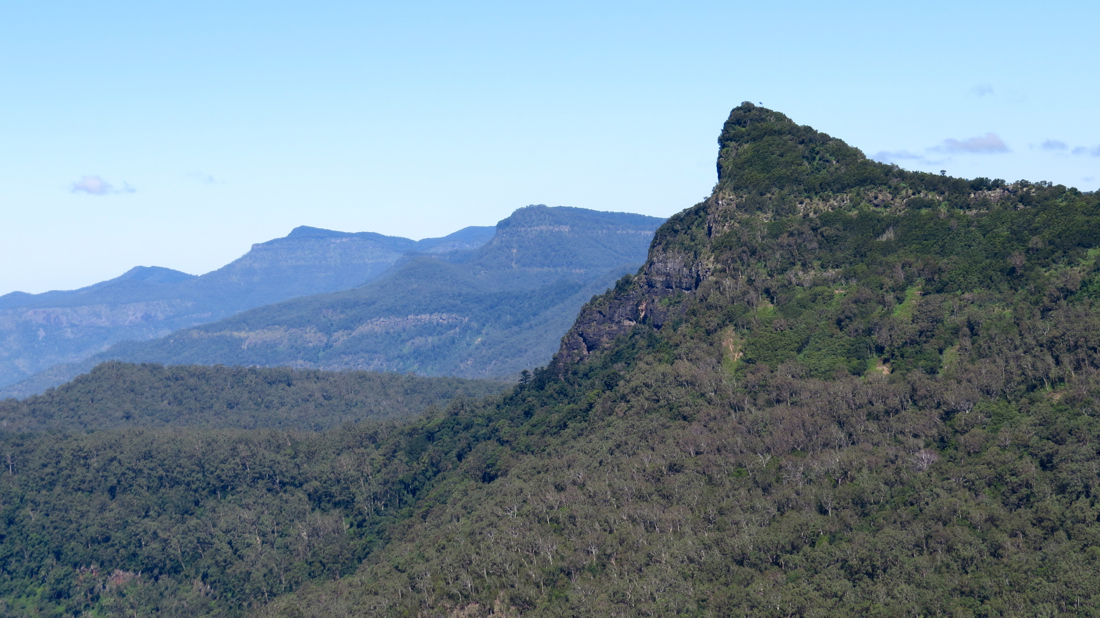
[[637, 300], [768, 168], [755, 177]]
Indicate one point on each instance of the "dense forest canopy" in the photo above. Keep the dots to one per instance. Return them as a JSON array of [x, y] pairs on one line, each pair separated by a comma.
[[118, 395], [835, 388]]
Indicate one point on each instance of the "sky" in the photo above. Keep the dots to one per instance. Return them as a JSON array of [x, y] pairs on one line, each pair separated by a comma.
[[178, 134]]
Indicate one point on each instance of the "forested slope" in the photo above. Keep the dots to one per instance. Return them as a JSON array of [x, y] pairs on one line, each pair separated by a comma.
[[835, 388], [118, 395]]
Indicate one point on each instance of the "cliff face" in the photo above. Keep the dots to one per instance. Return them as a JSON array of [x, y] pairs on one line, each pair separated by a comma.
[[769, 170], [642, 298], [762, 155]]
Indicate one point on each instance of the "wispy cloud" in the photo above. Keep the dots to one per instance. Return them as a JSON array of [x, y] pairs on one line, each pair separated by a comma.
[[989, 143], [983, 90], [1054, 145], [983, 144], [896, 156], [204, 178], [96, 185]]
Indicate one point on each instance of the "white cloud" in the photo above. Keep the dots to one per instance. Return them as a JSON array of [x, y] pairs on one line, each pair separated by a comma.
[[92, 185], [96, 185], [204, 178], [885, 156], [1053, 144], [989, 143], [983, 90]]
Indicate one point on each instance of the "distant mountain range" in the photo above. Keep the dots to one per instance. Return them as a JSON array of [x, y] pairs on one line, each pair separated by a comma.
[[455, 306], [38, 331]]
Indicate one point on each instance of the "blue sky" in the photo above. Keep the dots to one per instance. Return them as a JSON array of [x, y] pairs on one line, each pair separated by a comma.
[[178, 134]]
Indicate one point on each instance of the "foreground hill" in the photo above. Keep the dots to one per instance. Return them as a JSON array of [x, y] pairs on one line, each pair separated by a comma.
[[835, 388], [493, 312], [38, 331]]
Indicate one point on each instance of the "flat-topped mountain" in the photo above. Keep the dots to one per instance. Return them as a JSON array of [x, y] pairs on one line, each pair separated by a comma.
[[489, 312], [38, 331], [545, 243]]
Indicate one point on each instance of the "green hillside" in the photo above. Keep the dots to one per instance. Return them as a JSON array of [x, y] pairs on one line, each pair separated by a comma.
[[123, 396], [834, 388]]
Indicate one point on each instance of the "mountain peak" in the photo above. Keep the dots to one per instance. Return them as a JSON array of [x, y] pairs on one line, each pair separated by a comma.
[[154, 274], [565, 218], [305, 230], [763, 151]]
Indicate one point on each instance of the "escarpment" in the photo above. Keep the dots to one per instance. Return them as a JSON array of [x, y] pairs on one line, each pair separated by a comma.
[[767, 167], [780, 187], [639, 299]]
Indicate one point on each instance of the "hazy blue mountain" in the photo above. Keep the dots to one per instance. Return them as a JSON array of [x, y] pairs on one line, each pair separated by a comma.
[[38, 331], [133, 284], [495, 311]]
